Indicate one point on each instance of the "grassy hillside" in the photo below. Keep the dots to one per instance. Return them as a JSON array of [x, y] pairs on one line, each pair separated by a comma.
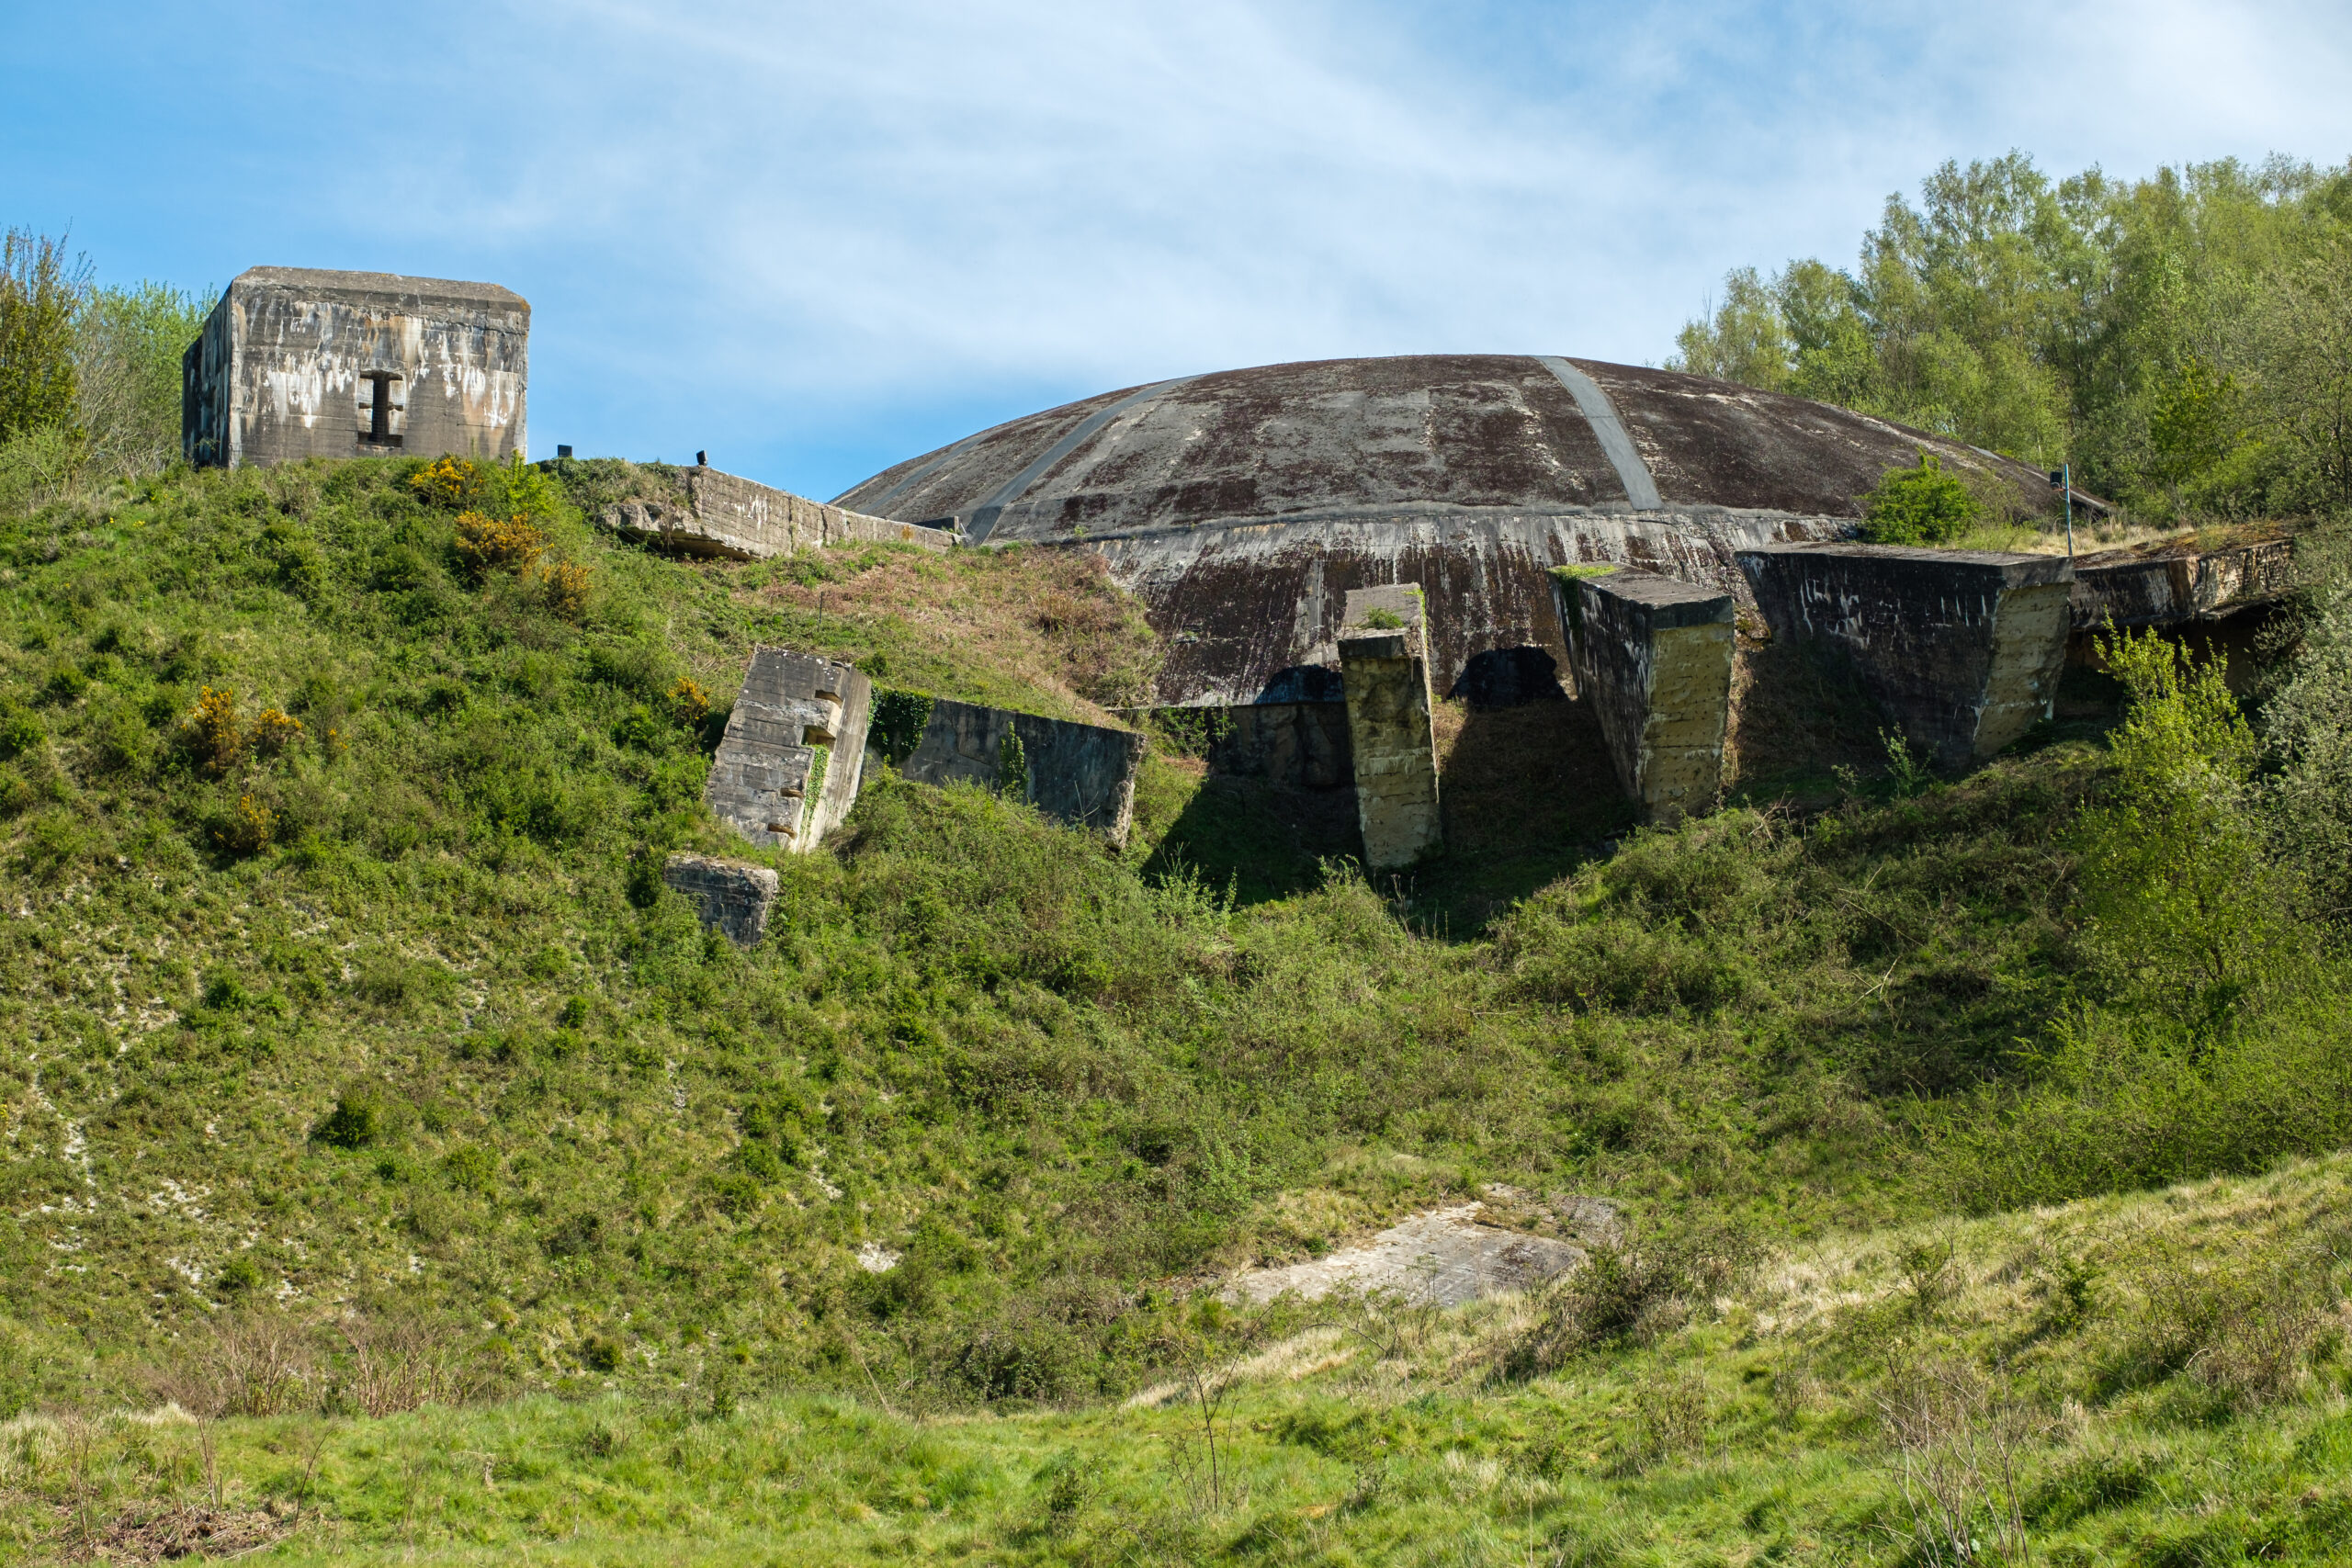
[[356, 1055], [2114, 1382]]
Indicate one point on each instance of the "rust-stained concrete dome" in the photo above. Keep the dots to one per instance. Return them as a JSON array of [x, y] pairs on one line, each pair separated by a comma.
[[1242, 505]]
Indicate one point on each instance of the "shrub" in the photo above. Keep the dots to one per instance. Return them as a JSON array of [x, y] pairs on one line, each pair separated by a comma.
[[564, 587], [899, 719], [215, 735], [249, 827], [274, 731], [689, 703], [2184, 909], [356, 1122], [487, 545], [1627, 1291], [1926, 505], [449, 481], [20, 728]]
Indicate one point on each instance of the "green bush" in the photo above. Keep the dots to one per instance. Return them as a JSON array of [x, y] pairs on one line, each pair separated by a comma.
[[1922, 506], [357, 1122]]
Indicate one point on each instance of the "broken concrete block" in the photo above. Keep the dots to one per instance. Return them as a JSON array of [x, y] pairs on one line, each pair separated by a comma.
[[1384, 667], [787, 772], [1083, 775], [1961, 649], [732, 894], [1652, 657]]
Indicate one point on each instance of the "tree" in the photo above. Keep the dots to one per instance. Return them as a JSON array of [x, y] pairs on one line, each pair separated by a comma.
[[128, 344], [40, 293], [1743, 342], [2181, 905]]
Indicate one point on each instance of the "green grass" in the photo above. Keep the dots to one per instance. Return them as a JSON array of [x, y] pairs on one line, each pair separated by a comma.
[[1373, 1433], [387, 1027]]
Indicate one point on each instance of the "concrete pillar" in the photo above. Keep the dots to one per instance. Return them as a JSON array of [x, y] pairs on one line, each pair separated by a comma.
[[1384, 668], [1961, 649], [1652, 658]]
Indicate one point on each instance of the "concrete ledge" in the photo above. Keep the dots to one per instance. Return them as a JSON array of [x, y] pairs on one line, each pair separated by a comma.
[[2173, 584], [1383, 665], [1961, 648], [787, 771], [1653, 656], [1083, 775], [721, 515], [732, 894]]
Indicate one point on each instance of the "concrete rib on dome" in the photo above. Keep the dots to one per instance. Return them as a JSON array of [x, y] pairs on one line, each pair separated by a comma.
[[1241, 505]]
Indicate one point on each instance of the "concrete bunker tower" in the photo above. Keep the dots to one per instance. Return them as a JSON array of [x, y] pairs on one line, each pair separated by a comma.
[[295, 363]]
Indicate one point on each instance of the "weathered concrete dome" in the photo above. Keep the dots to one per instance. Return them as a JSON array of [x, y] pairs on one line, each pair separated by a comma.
[[1241, 505]]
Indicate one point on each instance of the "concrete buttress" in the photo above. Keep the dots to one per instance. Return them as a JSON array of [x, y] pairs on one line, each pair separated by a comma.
[[1384, 668], [1653, 657]]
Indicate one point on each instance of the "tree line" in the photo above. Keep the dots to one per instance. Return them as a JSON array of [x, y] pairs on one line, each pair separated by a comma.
[[2184, 341]]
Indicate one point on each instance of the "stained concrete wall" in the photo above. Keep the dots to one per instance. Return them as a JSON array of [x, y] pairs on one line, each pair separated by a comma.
[[716, 513], [2169, 584], [1302, 744], [1083, 775], [788, 770], [1652, 658], [1248, 610], [283, 368], [1384, 664], [1961, 649], [732, 894]]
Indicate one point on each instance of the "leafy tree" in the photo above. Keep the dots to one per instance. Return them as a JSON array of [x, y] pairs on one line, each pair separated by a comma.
[[2183, 910], [2184, 340], [1745, 339], [127, 349], [1924, 505], [39, 293]]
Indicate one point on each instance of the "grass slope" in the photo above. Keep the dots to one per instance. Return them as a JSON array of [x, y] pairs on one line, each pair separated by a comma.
[[2134, 1411], [369, 1024]]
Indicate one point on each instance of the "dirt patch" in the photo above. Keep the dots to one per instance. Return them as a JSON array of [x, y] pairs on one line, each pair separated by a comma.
[[1443, 1258], [175, 1534]]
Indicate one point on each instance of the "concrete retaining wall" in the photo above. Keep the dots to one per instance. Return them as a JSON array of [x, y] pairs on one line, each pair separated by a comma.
[[1383, 663], [788, 770], [1653, 657], [721, 515], [1083, 775], [1961, 649]]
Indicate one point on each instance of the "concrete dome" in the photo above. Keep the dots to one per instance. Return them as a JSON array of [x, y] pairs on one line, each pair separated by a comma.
[[1241, 506]]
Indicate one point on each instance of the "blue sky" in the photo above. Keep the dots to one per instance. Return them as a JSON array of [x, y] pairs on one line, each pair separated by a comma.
[[816, 238]]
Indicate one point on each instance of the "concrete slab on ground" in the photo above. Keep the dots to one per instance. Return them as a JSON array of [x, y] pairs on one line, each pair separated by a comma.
[[1443, 1258]]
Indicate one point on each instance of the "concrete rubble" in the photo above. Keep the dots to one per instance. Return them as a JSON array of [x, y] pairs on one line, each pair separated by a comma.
[[721, 514], [1081, 774]]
